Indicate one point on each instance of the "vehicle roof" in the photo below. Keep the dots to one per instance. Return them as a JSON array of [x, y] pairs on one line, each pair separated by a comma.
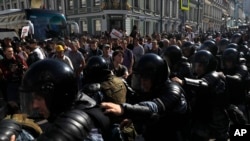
[[8, 11]]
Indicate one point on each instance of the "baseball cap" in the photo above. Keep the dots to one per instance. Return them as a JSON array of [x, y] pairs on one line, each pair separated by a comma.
[[106, 46]]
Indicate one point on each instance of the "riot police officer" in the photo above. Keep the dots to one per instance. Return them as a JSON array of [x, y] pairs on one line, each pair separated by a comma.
[[209, 45], [162, 107], [236, 75], [232, 45], [209, 119], [222, 45], [188, 50], [49, 87], [16, 126], [178, 64], [236, 38]]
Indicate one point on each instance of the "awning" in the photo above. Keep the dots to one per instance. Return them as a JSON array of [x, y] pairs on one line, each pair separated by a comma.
[[225, 12], [10, 34]]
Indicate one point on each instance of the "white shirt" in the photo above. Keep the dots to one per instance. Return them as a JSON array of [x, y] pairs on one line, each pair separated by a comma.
[[190, 36], [40, 54]]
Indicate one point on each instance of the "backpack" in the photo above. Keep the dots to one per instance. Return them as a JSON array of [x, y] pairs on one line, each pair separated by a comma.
[[114, 90], [32, 58]]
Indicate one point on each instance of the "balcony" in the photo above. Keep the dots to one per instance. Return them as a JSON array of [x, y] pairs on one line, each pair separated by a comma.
[[116, 5]]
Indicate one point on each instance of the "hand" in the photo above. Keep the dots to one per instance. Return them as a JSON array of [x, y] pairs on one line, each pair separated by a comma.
[[125, 123], [112, 108], [221, 74], [130, 70], [13, 138], [177, 80]]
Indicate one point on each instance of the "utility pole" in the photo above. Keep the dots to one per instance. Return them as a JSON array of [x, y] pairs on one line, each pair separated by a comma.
[[65, 8], [161, 14], [198, 15], [236, 10]]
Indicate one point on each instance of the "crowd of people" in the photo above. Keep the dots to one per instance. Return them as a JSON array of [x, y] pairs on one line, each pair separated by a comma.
[[135, 88]]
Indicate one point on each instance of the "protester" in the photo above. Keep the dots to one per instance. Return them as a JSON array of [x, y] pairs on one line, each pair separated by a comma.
[[12, 69], [60, 56], [117, 67]]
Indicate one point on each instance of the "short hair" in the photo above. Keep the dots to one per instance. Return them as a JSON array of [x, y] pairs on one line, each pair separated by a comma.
[[94, 41], [84, 37], [61, 43], [124, 41], [154, 41], [116, 52], [6, 47]]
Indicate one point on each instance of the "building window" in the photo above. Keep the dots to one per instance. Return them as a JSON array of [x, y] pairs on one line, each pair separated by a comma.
[[147, 27], [84, 26], [147, 4], [71, 4], [195, 14], [97, 24], [22, 5], [167, 5], [83, 3], [174, 9], [59, 5], [173, 27], [136, 22], [2, 7], [8, 6], [156, 27], [97, 2], [166, 27], [157, 6], [136, 3], [14, 5]]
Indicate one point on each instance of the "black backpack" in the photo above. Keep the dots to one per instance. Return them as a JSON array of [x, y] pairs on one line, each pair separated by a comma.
[[33, 57]]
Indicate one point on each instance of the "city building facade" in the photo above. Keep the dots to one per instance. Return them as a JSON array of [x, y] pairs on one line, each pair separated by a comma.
[[150, 16]]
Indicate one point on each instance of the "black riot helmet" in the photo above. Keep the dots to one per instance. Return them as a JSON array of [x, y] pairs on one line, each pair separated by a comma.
[[206, 58], [222, 44], [96, 69], [52, 80], [236, 38], [233, 45], [243, 49], [172, 54], [231, 55], [187, 44], [154, 67], [210, 46], [188, 48]]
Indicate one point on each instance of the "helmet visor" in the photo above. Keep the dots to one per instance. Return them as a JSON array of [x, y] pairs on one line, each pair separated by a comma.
[[198, 68], [33, 104]]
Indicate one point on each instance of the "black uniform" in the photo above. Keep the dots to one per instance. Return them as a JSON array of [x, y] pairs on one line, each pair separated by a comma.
[[73, 115], [209, 118], [236, 78], [162, 112], [178, 64]]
